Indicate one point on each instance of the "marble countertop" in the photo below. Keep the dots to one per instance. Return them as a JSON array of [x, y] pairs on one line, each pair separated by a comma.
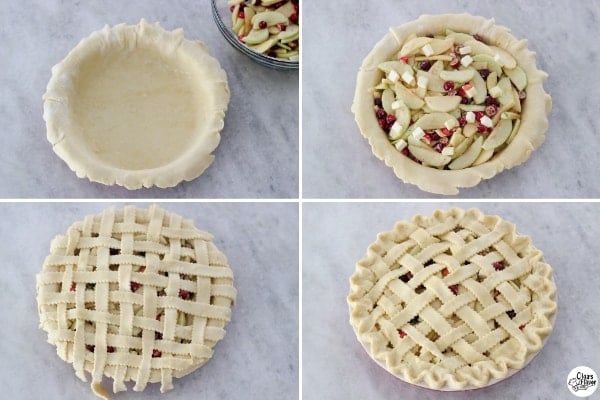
[[257, 359], [335, 366], [258, 153], [337, 160]]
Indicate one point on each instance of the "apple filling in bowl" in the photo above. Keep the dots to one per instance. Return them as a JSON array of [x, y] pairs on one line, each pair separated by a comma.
[[450, 101]]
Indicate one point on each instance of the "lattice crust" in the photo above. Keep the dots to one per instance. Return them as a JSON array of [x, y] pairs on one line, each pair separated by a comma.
[[452, 300], [135, 294]]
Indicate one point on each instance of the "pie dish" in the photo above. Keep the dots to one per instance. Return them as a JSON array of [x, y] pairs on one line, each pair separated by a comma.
[[134, 294], [449, 100], [454, 301], [136, 105]]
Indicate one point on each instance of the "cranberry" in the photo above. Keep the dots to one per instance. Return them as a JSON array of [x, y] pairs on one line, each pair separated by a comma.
[[404, 59], [455, 62], [451, 93], [90, 347], [427, 137], [425, 65], [464, 100], [446, 132], [158, 336], [390, 119], [434, 135], [498, 265], [478, 115], [444, 140], [445, 272], [462, 93], [522, 95], [156, 353], [378, 102], [383, 124], [481, 128], [511, 314], [184, 294], [262, 24], [110, 349], [484, 73], [401, 333], [448, 85], [281, 26], [521, 327], [231, 8], [439, 147], [490, 101], [490, 111], [241, 15], [135, 286], [478, 38], [380, 113], [405, 151], [407, 276], [454, 288], [462, 121], [73, 287], [294, 18]]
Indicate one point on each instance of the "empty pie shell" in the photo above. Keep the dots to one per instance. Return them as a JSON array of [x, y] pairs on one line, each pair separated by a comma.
[[455, 301], [136, 105], [534, 122], [134, 294]]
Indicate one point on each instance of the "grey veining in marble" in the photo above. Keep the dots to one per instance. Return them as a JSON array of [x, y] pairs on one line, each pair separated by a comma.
[[257, 359], [337, 160], [336, 236], [258, 153]]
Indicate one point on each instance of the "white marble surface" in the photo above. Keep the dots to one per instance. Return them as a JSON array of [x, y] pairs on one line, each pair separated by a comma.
[[335, 366], [258, 153], [257, 359], [337, 160]]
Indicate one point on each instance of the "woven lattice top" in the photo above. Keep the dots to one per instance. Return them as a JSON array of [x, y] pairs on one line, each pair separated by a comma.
[[452, 300], [135, 294]]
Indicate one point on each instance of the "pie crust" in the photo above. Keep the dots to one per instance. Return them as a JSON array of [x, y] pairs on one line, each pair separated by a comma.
[[136, 105], [134, 294], [534, 122], [454, 301]]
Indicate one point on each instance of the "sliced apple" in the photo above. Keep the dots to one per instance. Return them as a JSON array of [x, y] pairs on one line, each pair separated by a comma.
[[462, 147], [458, 37], [442, 103], [412, 46], [248, 14], [397, 66], [434, 121], [462, 76], [292, 32], [506, 99], [456, 139], [517, 76], [469, 156], [517, 103], [499, 135], [492, 80], [515, 129], [413, 141], [403, 116], [387, 98], [264, 46], [484, 156], [492, 65], [504, 57], [434, 83], [439, 57], [480, 88], [429, 156], [478, 47], [270, 17], [510, 115], [256, 36], [413, 101], [440, 46], [287, 9], [472, 107]]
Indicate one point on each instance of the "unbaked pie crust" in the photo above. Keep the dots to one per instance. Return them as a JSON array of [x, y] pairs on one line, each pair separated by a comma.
[[454, 301], [534, 122], [136, 105], [134, 294]]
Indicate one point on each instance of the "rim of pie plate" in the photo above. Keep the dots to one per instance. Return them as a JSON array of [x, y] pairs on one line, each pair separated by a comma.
[[535, 109]]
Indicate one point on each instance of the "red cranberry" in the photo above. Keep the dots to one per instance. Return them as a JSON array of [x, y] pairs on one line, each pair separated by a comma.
[[490, 111], [451, 93], [378, 102], [444, 140], [481, 128], [478, 115], [427, 137], [184, 294], [383, 124], [110, 349], [241, 15], [490, 101], [73, 287], [462, 121], [455, 62], [425, 65], [484, 73], [90, 347], [156, 353], [521, 327], [262, 24], [439, 147], [380, 113], [404, 59], [390, 119], [446, 132], [401, 333], [498, 265], [135, 286], [448, 85], [454, 288], [158, 336], [405, 151], [445, 272], [434, 135], [478, 38], [407, 276], [464, 100], [231, 8], [294, 18], [511, 314], [281, 26]]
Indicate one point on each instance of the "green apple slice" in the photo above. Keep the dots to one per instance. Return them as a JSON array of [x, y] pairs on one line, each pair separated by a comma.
[[429, 156], [480, 88], [257, 36], [504, 57], [492, 65], [440, 46], [434, 83], [403, 116], [456, 139], [397, 66], [413, 141], [291, 32], [413, 101], [458, 37], [469, 130], [434, 121], [517, 103], [469, 156], [264, 46], [510, 115], [462, 76], [412, 46], [507, 99], [270, 17], [499, 135], [492, 80], [287, 9], [515, 129], [517, 76], [387, 98], [478, 48], [462, 147], [442, 103], [484, 156]]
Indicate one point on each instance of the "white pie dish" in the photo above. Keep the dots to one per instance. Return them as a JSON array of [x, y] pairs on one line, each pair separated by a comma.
[[136, 105]]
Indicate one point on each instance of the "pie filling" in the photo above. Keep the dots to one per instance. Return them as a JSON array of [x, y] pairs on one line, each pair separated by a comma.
[[450, 101]]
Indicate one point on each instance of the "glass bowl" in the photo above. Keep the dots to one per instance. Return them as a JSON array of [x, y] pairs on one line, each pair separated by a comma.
[[222, 17]]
